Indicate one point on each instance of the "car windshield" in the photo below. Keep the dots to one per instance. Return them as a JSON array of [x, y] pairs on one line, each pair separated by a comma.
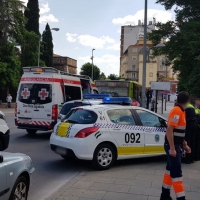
[[79, 116], [67, 107], [31, 93]]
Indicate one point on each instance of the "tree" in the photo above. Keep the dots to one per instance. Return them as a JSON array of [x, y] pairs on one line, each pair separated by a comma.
[[182, 48], [102, 76], [32, 15], [113, 77], [31, 36], [86, 69], [47, 47], [10, 66], [11, 19]]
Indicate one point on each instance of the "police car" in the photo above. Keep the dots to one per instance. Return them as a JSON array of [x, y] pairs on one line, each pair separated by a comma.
[[111, 131]]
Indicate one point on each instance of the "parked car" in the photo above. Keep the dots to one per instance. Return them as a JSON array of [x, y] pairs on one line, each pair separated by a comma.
[[4, 132], [15, 176]]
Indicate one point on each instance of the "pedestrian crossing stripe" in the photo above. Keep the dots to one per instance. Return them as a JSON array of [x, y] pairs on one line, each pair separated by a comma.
[[130, 127]]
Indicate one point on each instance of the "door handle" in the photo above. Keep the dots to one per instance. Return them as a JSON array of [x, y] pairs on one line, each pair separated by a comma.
[[116, 129]]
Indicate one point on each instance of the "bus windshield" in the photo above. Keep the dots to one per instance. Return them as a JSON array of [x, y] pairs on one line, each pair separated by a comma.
[[115, 88]]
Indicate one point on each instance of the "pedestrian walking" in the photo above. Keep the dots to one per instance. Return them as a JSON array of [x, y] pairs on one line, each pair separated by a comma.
[[190, 132], [9, 100], [197, 141], [174, 146]]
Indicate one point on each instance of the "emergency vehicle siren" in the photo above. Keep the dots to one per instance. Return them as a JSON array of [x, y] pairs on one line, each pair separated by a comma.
[[117, 100], [96, 96]]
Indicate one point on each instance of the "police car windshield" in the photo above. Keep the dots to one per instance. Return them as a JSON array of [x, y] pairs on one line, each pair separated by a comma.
[[80, 116], [36, 93]]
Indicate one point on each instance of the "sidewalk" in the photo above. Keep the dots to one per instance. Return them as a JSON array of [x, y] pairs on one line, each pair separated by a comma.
[[8, 110], [137, 180], [168, 108]]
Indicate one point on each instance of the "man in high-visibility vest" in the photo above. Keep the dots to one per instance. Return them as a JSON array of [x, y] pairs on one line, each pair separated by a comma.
[[197, 140], [190, 132], [174, 146]]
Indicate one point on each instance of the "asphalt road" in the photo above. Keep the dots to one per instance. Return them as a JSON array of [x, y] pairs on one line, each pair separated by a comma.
[[51, 171]]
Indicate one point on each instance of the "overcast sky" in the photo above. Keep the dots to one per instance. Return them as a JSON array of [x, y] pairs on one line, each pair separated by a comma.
[[87, 24]]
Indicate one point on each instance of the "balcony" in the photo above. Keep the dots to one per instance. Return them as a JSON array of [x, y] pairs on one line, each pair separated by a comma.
[[132, 70], [132, 79]]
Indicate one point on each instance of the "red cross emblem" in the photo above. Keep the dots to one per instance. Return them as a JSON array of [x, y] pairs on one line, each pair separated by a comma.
[[43, 94], [25, 93]]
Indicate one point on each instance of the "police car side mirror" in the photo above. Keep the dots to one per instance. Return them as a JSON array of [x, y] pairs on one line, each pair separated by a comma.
[[1, 158]]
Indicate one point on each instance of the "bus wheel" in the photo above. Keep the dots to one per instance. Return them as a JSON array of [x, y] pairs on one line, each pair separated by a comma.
[[31, 131]]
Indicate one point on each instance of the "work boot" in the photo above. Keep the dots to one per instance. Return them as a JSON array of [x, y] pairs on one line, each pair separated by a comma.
[[166, 198]]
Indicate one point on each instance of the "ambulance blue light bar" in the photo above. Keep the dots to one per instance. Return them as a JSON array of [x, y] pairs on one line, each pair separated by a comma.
[[117, 100], [96, 96]]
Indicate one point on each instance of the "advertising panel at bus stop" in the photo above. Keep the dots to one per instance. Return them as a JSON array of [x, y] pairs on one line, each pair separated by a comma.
[[166, 86]]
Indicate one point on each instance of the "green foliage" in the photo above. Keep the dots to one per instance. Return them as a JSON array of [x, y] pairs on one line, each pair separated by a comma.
[[47, 47], [10, 66], [102, 76], [182, 48], [32, 15], [11, 18], [86, 69], [113, 77]]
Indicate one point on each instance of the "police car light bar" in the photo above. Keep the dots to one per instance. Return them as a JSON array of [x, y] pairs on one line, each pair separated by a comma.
[[96, 96], [117, 100]]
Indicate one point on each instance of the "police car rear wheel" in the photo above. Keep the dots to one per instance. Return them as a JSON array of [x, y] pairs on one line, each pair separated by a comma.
[[104, 157], [30, 131]]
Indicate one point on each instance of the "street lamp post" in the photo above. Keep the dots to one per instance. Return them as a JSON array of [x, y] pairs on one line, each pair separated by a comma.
[[92, 64], [53, 29], [144, 57]]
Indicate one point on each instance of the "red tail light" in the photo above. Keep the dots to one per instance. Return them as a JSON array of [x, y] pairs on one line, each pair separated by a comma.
[[55, 112], [86, 132], [15, 110]]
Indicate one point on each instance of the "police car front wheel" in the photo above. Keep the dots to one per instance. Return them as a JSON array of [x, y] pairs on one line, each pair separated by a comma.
[[104, 156]]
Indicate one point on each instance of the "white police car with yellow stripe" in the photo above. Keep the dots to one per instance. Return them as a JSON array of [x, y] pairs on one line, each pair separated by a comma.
[[108, 132]]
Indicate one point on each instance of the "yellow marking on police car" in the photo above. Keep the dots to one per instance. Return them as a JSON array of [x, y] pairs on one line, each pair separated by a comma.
[[137, 150], [63, 129], [122, 151], [154, 149]]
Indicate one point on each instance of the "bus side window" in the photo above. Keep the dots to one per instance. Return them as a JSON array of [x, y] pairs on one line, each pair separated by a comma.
[[72, 93]]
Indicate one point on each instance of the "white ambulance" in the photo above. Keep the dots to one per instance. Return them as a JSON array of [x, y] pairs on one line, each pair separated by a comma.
[[42, 92]]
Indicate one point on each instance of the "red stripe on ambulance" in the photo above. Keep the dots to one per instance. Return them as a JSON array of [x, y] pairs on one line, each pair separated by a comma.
[[55, 80]]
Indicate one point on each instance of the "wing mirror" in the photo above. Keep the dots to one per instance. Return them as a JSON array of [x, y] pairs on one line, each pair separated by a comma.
[[1, 158]]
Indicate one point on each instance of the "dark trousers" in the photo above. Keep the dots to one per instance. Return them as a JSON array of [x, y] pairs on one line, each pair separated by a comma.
[[173, 174], [197, 145], [190, 138], [8, 104]]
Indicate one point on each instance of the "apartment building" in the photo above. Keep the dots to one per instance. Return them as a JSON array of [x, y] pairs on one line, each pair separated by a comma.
[[131, 65]]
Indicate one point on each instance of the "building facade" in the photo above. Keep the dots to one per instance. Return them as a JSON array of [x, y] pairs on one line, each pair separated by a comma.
[[130, 35], [65, 64], [131, 65]]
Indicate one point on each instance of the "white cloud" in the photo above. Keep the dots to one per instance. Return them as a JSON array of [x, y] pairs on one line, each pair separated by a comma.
[[119, 30], [107, 63], [76, 48], [48, 18], [71, 37], [44, 8], [114, 47], [160, 15], [89, 40]]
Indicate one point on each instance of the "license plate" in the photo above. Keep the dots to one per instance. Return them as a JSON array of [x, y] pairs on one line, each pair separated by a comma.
[[60, 151]]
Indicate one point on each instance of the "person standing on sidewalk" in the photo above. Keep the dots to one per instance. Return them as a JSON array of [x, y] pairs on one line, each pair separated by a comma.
[[190, 132], [9, 100], [174, 146]]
